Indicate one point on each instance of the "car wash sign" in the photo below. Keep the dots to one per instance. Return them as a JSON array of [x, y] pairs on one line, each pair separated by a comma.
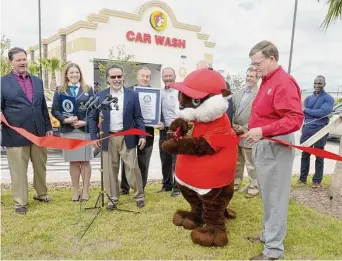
[[158, 21], [161, 40]]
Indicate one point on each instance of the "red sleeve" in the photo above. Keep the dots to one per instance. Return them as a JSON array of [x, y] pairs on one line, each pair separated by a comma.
[[288, 107]]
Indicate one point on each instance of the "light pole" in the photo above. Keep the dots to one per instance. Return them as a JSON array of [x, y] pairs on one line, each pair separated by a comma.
[[293, 32], [40, 43]]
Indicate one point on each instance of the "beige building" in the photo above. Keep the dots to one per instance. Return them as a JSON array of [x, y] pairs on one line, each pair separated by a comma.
[[152, 36]]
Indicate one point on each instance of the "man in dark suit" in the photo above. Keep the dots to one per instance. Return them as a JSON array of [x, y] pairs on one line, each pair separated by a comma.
[[123, 115], [144, 155], [230, 111], [23, 105]]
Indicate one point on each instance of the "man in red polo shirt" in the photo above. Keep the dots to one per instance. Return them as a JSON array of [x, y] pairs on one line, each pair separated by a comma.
[[276, 112]]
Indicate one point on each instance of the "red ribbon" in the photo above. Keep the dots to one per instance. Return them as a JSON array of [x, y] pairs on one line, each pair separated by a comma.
[[314, 151], [72, 144], [66, 143]]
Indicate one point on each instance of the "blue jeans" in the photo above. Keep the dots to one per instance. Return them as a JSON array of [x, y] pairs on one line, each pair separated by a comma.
[[307, 132]]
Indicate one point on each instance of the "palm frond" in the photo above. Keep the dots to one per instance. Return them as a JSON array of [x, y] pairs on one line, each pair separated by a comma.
[[334, 12]]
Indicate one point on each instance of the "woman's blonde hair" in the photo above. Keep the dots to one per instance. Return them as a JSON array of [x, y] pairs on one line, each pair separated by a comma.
[[65, 80]]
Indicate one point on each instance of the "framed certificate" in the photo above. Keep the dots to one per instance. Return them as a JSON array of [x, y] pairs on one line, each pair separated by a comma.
[[150, 103], [67, 105]]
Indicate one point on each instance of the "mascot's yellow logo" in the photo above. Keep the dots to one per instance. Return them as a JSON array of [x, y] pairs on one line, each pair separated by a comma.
[[158, 20], [190, 128]]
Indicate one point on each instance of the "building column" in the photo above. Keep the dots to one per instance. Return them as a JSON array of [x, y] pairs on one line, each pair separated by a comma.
[[32, 55], [63, 48], [45, 72]]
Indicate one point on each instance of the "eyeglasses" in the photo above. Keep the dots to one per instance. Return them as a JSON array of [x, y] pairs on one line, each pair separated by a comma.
[[115, 76], [258, 63]]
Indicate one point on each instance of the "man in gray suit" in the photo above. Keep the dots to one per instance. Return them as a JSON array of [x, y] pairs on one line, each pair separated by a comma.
[[242, 106]]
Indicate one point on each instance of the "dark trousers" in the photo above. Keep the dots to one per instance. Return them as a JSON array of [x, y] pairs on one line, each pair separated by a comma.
[[307, 132], [144, 157], [167, 162]]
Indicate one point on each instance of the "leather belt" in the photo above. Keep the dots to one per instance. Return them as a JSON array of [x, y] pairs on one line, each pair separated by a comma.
[[114, 132]]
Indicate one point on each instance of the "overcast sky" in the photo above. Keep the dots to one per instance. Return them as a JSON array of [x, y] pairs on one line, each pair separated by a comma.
[[235, 26]]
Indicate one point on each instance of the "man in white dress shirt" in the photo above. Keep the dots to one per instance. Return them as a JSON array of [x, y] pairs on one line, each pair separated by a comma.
[[169, 112], [125, 114]]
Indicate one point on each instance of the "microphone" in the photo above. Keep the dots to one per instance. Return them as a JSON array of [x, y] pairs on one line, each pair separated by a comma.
[[115, 101], [106, 102], [107, 99], [89, 101], [84, 107], [93, 104]]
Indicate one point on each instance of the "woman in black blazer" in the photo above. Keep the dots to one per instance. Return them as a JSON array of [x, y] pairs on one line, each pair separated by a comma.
[[75, 126]]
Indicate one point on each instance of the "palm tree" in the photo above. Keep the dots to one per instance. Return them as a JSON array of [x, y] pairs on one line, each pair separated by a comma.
[[33, 68], [5, 65], [52, 65], [334, 12]]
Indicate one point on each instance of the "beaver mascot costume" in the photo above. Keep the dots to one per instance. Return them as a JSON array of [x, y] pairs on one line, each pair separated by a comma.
[[206, 149]]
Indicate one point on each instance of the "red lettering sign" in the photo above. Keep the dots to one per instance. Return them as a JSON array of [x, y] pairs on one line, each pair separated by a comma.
[[130, 36], [159, 40]]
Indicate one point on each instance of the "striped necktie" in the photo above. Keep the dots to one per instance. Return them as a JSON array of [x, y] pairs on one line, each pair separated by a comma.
[[73, 90]]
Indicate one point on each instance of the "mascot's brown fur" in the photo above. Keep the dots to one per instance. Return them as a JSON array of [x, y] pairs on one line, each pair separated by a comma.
[[206, 150]]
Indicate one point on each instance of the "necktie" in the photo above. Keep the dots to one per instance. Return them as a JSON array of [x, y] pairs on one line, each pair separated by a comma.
[[73, 90], [243, 100]]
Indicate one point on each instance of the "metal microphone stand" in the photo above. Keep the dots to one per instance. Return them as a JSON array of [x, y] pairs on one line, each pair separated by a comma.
[[82, 109], [102, 193]]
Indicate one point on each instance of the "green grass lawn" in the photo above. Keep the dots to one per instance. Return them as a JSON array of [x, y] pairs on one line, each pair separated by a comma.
[[53, 231]]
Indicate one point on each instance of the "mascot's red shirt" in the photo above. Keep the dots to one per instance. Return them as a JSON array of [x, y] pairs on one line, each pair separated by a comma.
[[215, 170]]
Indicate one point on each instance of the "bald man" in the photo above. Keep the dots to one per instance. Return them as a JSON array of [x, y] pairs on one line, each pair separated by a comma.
[[144, 155], [317, 107], [203, 64]]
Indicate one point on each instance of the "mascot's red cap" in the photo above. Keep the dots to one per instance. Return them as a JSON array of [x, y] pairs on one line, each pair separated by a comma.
[[201, 83]]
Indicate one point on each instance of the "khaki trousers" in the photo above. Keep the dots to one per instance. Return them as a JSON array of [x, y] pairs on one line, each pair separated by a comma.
[[273, 164], [18, 159], [245, 157], [111, 164]]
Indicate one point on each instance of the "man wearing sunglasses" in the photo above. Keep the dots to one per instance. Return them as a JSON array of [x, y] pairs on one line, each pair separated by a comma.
[[123, 115], [276, 112]]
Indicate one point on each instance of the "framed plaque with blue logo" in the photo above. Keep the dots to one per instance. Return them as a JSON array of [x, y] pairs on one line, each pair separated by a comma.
[[67, 105], [150, 103]]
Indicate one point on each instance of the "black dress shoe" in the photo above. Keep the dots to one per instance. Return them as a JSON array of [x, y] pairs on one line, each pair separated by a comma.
[[175, 193], [124, 193], [21, 210], [111, 207], [44, 200], [164, 190], [140, 204]]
